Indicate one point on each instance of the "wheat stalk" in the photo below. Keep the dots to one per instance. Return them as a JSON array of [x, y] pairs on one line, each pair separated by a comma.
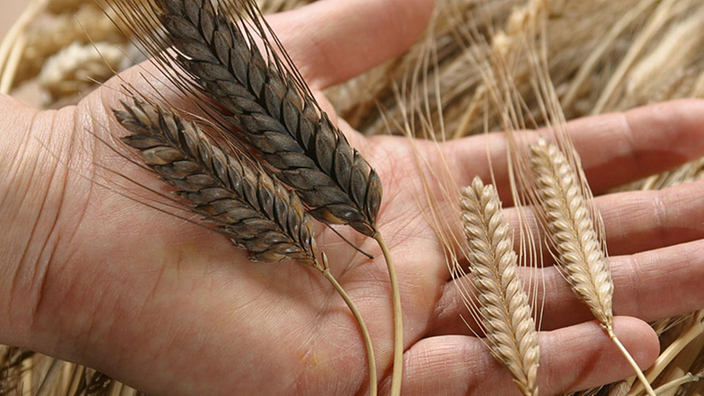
[[671, 388], [571, 230], [237, 197], [694, 330], [504, 309], [260, 92]]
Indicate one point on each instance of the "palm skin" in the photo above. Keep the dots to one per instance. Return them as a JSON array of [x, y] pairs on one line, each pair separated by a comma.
[[93, 277]]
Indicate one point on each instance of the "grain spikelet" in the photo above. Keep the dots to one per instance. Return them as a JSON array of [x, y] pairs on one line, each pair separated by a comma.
[[238, 198], [241, 200], [504, 308]]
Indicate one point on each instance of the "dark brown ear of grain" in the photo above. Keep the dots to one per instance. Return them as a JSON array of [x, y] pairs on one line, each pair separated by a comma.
[[268, 102], [257, 212]]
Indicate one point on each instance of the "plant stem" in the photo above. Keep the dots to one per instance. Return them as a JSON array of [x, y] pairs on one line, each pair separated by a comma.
[[648, 389], [686, 379], [397, 377], [669, 354], [365, 333]]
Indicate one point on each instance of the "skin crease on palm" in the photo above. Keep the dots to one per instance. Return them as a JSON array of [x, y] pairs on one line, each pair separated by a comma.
[[172, 309]]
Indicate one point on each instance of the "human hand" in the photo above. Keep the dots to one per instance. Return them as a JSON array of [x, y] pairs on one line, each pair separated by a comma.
[[93, 277]]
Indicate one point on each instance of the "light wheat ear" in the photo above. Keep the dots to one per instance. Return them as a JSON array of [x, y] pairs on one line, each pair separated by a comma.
[[235, 196], [229, 53], [503, 303], [573, 237]]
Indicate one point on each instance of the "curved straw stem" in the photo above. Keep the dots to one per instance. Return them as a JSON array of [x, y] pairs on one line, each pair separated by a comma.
[[12, 65], [669, 354], [631, 361], [362, 326], [675, 384], [397, 377]]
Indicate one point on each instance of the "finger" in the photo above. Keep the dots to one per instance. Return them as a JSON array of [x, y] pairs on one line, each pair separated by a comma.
[[634, 221], [647, 220], [572, 358], [333, 41], [638, 221], [364, 34], [651, 285], [615, 149]]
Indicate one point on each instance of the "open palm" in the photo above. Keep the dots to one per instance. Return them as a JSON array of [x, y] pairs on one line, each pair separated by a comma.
[[89, 275]]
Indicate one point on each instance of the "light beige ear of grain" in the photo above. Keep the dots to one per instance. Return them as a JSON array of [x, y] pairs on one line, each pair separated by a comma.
[[574, 239], [503, 303], [571, 231]]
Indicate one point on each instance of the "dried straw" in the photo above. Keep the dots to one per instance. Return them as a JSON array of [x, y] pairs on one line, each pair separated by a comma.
[[75, 69]]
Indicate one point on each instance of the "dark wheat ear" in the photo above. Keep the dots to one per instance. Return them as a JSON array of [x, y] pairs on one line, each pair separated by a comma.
[[230, 55], [235, 196], [260, 93], [257, 212]]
